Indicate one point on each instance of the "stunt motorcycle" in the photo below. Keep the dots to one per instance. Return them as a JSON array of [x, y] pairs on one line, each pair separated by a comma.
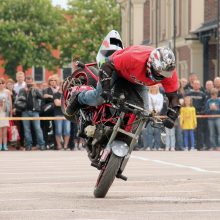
[[110, 130]]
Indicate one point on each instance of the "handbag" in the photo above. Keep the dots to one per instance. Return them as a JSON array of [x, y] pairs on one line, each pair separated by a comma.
[[48, 109], [13, 134], [21, 103]]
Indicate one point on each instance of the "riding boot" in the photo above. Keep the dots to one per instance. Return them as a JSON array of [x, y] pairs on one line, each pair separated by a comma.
[[73, 106]]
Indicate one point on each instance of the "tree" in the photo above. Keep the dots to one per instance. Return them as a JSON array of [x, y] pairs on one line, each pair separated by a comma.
[[29, 29], [91, 21]]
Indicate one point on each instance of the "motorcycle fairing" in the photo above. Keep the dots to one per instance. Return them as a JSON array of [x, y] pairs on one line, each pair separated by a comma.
[[111, 43]]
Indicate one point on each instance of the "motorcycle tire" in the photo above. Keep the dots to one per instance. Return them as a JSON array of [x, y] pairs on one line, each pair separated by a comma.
[[107, 176], [88, 79]]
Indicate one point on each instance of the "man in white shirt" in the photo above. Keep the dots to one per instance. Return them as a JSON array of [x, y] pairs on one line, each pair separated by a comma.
[[20, 77]]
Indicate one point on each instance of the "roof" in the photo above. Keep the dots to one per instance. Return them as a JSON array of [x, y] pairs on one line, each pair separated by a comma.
[[209, 26]]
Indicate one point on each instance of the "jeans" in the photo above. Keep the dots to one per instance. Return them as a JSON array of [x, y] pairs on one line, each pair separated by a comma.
[[187, 134], [170, 138], [62, 127], [93, 97], [151, 137], [36, 127], [214, 131]]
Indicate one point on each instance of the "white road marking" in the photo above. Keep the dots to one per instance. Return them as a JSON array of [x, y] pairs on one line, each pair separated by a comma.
[[112, 191], [109, 211], [176, 165], [24, 199]]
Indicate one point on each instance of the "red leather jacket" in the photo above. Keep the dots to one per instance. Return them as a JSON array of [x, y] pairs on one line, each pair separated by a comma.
[[130, 64]]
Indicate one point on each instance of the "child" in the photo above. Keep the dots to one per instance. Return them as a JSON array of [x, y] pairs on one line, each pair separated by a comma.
[[188, 122]]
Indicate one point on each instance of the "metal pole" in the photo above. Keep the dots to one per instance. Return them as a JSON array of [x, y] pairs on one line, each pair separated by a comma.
[[130, 23], [174, 27], [156, 27], [217, 38]]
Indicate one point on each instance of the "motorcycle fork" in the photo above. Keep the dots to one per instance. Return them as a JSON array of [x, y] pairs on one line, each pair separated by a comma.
[[134, 137]]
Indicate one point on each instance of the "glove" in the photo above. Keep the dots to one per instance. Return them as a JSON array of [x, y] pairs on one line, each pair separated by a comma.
[[172, 115], [107, 96]]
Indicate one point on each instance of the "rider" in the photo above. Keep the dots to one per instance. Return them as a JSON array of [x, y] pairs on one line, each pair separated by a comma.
[[142, 66]]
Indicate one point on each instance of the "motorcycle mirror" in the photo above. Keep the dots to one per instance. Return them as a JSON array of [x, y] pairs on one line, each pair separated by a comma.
[[163, 137]]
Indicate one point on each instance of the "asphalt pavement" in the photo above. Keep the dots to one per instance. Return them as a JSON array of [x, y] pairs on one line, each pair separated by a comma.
[[55, 185]]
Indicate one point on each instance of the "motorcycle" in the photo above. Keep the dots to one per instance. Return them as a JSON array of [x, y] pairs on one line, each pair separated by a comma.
[[110, 130]]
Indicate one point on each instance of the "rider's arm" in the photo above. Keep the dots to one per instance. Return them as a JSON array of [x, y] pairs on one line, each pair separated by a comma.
[[174, 109], [105, 75]]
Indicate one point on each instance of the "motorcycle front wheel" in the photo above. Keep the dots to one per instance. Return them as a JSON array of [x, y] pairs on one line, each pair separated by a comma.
[[107, 176]]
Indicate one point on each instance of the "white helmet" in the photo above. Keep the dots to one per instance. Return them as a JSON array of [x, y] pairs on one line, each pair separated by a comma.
[[110, 44], [162, 60]]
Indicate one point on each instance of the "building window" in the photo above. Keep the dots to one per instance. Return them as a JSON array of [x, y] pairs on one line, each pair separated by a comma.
[[38, 74], [183, 69], [67, 71]]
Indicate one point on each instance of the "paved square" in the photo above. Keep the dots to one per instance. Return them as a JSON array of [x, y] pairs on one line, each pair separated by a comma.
[[59, 185]]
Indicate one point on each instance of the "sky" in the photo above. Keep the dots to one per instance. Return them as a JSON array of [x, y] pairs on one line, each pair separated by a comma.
[[62, 3]]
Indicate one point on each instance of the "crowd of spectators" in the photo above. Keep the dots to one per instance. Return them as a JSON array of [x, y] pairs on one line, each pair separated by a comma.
[[198, 127], [26, 99]]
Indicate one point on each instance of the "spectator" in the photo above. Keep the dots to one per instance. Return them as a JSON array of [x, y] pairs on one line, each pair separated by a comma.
[[189, 86], [5, 111], [28, 101], [212, 107], [74, 140], [62, 127], [183, 82], [20, 77], [10, 87], [188, 123], [151, 136], [198, 100], [209, 85], [48, 109], [217, 84]]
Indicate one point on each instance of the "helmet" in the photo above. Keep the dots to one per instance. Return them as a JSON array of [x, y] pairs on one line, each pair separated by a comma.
[[162, 63], [110, 44]]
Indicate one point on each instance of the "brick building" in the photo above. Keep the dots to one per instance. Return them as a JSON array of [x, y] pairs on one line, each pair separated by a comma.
[[41, 74], [188, 26]]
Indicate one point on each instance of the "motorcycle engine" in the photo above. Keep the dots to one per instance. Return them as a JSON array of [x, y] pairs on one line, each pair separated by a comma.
[[90, 130]]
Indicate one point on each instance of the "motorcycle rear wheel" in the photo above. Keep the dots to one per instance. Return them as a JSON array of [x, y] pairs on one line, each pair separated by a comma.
[[88, 79], [107, 176]]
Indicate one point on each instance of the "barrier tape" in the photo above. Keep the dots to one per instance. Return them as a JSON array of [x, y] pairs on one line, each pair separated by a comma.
[[63, 118], [32, 118]]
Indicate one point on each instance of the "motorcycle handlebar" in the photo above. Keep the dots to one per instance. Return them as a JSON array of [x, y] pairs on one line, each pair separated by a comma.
[[125, 106], [80, 64]]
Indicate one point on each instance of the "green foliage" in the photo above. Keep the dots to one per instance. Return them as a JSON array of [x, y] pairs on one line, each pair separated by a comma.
[[29, 29], [92, 20]]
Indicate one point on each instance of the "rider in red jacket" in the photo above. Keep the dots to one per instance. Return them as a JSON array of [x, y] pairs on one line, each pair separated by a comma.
[[142, 66]]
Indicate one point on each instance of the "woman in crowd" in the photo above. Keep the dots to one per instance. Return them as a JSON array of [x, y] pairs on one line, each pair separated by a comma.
[[5, 111], [151, 136], [10, 86], [62, 127], [48, 109]]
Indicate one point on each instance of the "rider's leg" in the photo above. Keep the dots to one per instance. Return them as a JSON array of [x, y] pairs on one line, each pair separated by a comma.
[[143, 91], [93, 97]]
